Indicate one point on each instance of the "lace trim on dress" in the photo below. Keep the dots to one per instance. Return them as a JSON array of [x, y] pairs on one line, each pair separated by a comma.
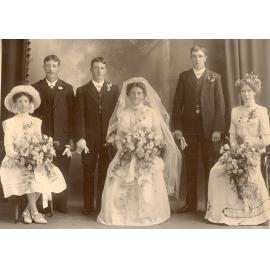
[[252, 213]]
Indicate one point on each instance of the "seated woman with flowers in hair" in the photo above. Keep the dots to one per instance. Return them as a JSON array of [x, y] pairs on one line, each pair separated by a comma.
[[237, 193]]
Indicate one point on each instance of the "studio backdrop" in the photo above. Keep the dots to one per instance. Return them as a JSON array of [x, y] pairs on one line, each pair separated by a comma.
[[159, 61]]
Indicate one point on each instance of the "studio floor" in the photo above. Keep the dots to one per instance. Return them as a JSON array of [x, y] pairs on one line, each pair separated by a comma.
[[76, 220]]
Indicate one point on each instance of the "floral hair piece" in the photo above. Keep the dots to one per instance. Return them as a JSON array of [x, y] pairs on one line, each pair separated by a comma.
[[251, 80]]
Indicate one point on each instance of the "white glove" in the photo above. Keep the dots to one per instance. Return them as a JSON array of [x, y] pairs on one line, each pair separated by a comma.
[[81, 146], [179, 136], [67, 151]]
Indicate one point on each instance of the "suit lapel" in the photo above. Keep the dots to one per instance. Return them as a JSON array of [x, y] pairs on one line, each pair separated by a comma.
[[104, 92], [191, 78], [58, 92], [46, 91], [92, 91], [204, 83]]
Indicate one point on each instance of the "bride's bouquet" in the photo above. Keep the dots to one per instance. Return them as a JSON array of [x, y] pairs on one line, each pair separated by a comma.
[[143, 144], [239, 162], [35, 151]]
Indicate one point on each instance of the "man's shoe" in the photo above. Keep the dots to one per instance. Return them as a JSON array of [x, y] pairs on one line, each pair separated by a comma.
[[87, 212], [63, 210], [45, 211], [185, 208]]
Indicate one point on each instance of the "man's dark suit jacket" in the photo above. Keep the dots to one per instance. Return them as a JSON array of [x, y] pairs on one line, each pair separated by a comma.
[[88, 122], [56, 112], [211, 101]]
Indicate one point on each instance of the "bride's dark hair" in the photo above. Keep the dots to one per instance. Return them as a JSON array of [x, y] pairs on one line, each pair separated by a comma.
[[136, 84]]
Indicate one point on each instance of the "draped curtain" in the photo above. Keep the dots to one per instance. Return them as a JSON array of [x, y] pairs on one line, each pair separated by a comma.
[[245, 56], [14, 71]]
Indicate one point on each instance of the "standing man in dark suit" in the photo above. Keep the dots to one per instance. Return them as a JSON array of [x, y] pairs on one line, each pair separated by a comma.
[[198, 119], [94, 105], [56, 113]]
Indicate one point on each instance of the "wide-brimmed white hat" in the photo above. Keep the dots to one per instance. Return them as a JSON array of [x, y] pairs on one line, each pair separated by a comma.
[[28, 89]]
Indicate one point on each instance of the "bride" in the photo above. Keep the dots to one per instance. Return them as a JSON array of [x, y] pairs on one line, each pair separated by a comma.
[[146, 168], [249, 123]]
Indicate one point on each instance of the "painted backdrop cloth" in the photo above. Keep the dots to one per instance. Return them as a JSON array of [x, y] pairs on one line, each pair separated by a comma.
[[224, 206], [132, 196]]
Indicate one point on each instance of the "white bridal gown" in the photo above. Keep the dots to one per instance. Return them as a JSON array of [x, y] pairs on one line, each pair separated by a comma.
[[224, 206], [13, 178], [135, 197]]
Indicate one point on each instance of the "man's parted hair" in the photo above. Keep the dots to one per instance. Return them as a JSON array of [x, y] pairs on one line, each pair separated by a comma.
[[98, 60], [52, 57], [196, 48]]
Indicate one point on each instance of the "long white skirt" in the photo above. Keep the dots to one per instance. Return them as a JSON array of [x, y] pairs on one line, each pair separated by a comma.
[[134, 198], [224, 206]]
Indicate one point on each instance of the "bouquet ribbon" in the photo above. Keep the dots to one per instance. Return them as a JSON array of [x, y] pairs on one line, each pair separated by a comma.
[[131, 172], [46, 195], [45, 198]]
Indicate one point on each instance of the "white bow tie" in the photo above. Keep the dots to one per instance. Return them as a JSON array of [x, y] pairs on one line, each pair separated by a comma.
[[51, 84], [198, 73], [99, 86]]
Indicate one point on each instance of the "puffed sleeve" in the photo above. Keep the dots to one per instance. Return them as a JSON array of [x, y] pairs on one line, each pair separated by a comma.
[[8, 139], [264, 126], [232, 130]]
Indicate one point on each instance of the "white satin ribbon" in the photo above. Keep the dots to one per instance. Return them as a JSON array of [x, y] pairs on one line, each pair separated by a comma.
[[45, 198], [42, 179], [131, 171], [246, 206]]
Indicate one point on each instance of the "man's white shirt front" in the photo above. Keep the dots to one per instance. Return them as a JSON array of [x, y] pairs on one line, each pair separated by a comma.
[[51, 84], [198, 73], [98, 85]]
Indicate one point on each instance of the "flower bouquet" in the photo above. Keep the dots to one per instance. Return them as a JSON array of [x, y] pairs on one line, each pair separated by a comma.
[[239, 162], [35, 151], [143, 144]]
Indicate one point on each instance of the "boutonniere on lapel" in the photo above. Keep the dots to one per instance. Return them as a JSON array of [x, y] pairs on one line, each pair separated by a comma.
[[60, 88], [211, 78], [108, 86]]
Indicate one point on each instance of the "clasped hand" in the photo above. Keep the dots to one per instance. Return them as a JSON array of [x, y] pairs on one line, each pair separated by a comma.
[[183, 144], [179, 136], [69, 148], [67, 151], [81, 146]]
